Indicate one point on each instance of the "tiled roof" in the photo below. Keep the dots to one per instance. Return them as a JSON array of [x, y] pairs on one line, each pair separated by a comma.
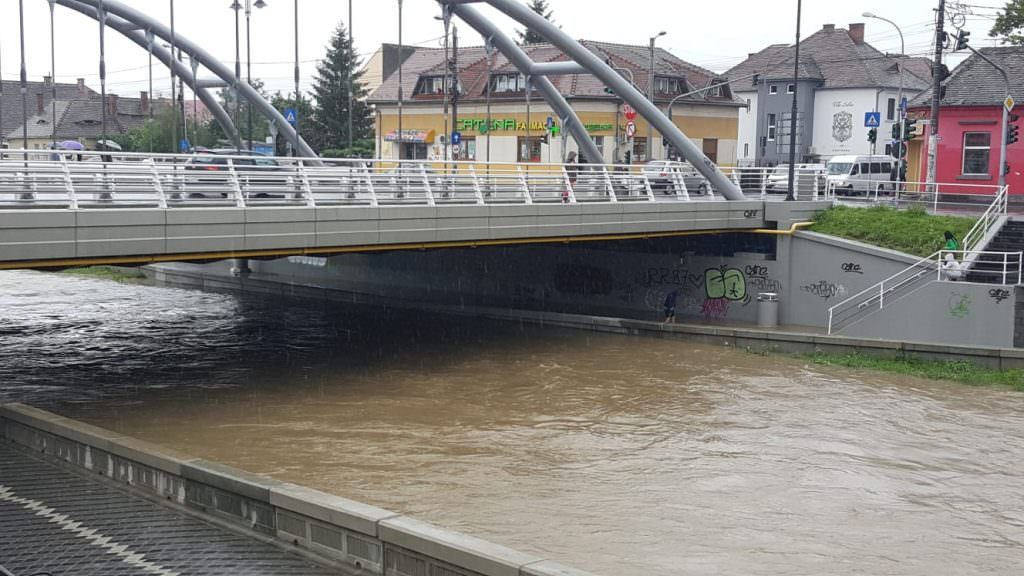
[[11, 101], [82, 118], [976, 83], [472, 72], [835, 59]]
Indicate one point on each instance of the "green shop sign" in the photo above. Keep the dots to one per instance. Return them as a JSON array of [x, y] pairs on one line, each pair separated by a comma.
[[512, 125]]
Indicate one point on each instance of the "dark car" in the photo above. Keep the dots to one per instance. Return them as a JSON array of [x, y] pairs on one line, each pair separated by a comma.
[[255, 172]]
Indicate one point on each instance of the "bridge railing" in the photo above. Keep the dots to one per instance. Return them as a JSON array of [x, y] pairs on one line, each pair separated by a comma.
[[81, 179], [938, 197]]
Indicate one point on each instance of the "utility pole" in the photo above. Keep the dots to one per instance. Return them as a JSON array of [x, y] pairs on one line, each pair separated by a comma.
[[351, 84], [791, 194], [455, 82], [933, 121]]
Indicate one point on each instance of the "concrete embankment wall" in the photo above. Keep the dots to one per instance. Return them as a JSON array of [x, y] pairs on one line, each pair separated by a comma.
[[359, 538]]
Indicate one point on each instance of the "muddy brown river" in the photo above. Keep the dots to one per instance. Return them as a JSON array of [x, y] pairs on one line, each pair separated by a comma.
[[619, 455]]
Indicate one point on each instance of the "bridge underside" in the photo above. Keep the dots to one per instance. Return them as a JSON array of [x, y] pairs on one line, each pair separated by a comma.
[[68, 238]]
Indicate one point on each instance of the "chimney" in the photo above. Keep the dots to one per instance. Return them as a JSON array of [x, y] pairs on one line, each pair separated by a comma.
[[82, 90], [112, 104], [144, 102], [47, 80], [857, 33], [40, 104], [828, 27]]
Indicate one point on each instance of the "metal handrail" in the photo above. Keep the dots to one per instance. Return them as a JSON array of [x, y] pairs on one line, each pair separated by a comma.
[[980, 230]]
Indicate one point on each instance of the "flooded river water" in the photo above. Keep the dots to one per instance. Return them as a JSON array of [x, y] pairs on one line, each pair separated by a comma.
[[620, 455]]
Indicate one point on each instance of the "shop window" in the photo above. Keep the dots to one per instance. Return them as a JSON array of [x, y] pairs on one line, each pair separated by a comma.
[[640, 149], [529, 148], [977, 150], [599, 142], [414, 151]]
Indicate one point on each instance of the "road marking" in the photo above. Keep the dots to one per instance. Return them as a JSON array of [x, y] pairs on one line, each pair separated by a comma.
[[93, 537]]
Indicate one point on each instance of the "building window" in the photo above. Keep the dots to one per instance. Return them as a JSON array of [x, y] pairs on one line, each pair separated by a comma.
[[664, 85], [746, 149], [977, 149], [430, 85], [771, 127], [508, 83], [790, 88], [640, 149], [529, 148], [773, 89], [413, 151], [890, 110], [599, 142], [716, 91]]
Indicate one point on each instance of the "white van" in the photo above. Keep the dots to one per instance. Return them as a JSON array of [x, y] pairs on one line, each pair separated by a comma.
[[856, 174]]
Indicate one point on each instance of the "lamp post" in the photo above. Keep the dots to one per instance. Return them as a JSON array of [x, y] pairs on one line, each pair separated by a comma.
[[249, 58], [401, 65], [237, 7], [899, 97], [791, 193], [53, 78], [295, 150], [174, 89], [24, 80], [446, 19], [351, 83], [650, 95]]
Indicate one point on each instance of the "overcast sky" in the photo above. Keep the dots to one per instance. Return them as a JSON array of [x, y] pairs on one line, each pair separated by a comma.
[[715, 35]]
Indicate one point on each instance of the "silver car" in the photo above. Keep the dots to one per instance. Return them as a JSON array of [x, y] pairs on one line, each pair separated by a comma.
[[660, 174]]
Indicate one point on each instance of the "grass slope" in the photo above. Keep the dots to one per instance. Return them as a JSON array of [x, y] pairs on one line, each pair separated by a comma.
[[911, 231], [127, 275], [958, 371]]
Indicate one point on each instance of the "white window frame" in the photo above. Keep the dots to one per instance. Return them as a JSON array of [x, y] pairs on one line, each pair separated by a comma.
[[773, 89], [966, 148], [790, 88], [772, 122]]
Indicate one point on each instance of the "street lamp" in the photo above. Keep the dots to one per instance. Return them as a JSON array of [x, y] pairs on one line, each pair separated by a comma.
[[237, 7], [899, 97], [401, 65], [53, 77], [791, 193], [248, 53], [650, 95]]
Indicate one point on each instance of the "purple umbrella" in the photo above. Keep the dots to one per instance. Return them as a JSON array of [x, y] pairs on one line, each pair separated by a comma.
[[70, 145]]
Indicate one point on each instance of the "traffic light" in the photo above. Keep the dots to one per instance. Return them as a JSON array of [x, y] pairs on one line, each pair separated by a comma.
[[896, 149], [909, 129], [872, 135], [896, 131], [1012, 130], [962, 37], [608, 90]]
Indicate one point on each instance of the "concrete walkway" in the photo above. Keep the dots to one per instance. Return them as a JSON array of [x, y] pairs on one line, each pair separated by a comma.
[[56, 522]]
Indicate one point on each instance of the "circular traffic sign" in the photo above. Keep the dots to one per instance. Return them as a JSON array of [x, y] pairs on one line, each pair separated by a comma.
[[630, 129], [628, 111]]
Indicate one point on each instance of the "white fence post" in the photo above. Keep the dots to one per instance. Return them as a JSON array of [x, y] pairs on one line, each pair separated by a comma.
[[369, 184], [68, 183], [476, 185], [239, 195]]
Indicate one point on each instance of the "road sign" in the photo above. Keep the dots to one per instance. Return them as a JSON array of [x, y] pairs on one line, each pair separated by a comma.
[[291, 115], [184, 145], [456, 138], [456, 148], [550, 123], [1009, 103], [630, 129], [628, 112], [872, 119], [903, 105]]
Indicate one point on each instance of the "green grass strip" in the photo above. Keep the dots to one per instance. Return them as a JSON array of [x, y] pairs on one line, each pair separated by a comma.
[[957, 371], [124, 275], [912, 231]]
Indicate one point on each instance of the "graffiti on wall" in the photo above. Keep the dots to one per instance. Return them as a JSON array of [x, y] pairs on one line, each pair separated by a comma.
[[758, 279], [824, 289], [959, 305], [999, 294], [852, 268], [580, 279]]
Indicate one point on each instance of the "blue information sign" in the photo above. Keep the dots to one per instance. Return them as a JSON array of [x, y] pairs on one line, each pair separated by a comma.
[[456, 138], [184, 145], [291, 115], [872, 119]]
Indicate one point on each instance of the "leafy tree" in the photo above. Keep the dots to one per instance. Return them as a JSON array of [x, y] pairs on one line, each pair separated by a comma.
[[331, 92], [157, 134], [1010, 23], [304, 109], [529, 36], [260, 130]]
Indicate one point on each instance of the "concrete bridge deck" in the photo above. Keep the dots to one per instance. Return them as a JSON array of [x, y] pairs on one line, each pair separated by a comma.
[[59, 213]]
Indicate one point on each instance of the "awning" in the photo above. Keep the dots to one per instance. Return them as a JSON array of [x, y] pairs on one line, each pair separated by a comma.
[[413, 136]]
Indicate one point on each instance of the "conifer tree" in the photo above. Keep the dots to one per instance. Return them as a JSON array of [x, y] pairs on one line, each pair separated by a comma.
[[331, 91], [529, 36]]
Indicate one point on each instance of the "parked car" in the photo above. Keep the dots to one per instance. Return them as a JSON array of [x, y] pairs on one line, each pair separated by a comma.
[[805, 175], [661, 172], [861, 174]]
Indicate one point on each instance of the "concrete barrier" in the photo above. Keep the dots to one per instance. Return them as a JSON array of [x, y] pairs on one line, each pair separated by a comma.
[[365, 538]]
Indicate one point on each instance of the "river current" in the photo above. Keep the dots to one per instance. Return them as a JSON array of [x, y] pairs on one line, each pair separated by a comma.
[[619, 455]]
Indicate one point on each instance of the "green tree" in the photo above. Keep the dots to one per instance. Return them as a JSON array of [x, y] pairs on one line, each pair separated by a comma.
[[529, 36], [157, 134], [1009, 26], [331, 92], [260, 129], [304, 109]]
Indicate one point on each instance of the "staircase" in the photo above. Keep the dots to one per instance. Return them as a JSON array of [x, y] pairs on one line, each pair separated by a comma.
[[989, 267]]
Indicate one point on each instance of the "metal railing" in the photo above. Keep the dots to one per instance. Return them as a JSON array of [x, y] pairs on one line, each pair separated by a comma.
[[988, 220], [1002, 268], [941, 197], [73, 179]]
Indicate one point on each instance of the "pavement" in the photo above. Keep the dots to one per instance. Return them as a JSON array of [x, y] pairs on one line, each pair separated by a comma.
[[56, 522]]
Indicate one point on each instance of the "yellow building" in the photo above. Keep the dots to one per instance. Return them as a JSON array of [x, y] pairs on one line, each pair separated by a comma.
[[521, 131]]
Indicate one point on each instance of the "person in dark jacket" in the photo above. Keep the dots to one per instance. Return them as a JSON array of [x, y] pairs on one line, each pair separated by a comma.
[[670, 307]]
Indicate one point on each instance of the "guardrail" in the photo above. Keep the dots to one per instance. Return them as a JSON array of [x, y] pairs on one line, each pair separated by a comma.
[[940, 197], [996, 210], [1003, 267], [75, 179]]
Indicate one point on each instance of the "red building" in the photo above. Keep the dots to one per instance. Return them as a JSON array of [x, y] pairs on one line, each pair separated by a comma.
[[970, 124]]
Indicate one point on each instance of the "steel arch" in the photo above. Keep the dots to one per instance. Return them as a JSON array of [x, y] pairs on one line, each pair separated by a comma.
[[134, 17], [141, 38], [535, 74], [591, 63]]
